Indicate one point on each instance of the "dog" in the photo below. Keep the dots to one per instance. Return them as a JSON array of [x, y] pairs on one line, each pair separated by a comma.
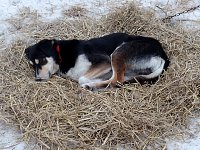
[[101, 62]]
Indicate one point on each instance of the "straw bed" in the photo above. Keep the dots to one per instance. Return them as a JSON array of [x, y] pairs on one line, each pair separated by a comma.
[[61, 116]]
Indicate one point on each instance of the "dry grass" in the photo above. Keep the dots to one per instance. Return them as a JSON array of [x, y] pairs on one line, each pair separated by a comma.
[[59, 116], [75, 11]]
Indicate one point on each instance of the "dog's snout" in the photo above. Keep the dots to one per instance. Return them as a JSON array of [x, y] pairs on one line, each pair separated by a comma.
[[44, 77]]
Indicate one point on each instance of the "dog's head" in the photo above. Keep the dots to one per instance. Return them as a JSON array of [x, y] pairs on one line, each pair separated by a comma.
[[44, 58]]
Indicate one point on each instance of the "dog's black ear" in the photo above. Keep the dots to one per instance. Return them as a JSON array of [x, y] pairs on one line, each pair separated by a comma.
[[27, 53], [54, 42], [75, 42]]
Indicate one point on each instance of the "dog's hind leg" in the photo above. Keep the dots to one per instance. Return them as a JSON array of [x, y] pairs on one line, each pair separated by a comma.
[[118, 65]]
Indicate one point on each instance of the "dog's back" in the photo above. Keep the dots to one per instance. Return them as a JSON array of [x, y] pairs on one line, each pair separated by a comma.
[[105, 44]]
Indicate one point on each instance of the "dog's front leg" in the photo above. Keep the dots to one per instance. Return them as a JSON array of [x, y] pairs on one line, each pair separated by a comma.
[[118, 69], [94, 75]]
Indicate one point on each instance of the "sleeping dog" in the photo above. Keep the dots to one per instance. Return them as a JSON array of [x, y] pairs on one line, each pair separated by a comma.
[[97, 63]]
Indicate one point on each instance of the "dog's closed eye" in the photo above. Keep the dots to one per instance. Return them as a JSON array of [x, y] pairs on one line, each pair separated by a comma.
[[42, 61]]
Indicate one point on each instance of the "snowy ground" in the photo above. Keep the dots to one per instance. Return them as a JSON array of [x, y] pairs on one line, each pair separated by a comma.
[[191, 142], [10, 138], [52, 9]]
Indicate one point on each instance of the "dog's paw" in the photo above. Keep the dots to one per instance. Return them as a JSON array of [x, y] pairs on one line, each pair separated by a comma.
[[88, 86]]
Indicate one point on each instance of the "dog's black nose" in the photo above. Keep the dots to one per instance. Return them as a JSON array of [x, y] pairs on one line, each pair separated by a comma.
[[38, 79]]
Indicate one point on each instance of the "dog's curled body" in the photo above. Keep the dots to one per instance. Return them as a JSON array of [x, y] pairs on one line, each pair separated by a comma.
[[100, 62]]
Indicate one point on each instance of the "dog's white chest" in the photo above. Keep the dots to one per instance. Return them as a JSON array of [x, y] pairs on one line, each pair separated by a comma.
[[82, 65]]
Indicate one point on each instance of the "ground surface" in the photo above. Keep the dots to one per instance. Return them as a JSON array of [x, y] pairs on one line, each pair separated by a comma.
[[49, 10], [10, 138]]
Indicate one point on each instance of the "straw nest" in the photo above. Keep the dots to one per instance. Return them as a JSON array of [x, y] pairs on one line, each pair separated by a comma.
[[59, 116]]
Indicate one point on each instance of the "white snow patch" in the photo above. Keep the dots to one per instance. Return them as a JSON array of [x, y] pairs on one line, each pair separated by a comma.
[[164, 8], [47, 10], [192, 139], [10, 139]]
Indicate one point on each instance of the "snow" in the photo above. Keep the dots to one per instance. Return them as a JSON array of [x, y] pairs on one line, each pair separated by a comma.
[[10, 138], [48, 10], [191, 142], [164, 8], [52, 9]]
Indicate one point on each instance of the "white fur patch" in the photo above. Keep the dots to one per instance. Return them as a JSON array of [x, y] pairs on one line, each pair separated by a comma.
[[31, 62], [153, 63], [83, 80], [120, 45], [50, 68], [82, 65], [36, 61], [157, 65]]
